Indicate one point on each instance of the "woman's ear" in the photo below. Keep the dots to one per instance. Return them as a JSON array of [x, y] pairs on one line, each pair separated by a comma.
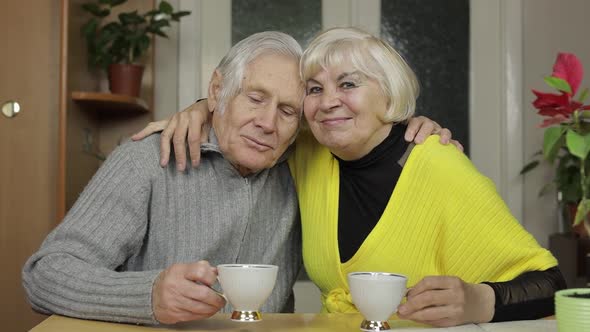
[[214, 90]]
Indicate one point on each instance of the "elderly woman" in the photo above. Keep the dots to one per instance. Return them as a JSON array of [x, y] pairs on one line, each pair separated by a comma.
[[370, 201]]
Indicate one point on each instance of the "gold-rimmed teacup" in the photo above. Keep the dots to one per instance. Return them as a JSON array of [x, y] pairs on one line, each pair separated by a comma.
[[246, 287], [376, 295]]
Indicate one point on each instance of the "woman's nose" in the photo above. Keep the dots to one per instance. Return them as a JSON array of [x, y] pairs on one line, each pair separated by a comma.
[[330, 100]]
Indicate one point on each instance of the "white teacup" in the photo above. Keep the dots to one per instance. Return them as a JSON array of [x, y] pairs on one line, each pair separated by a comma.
[[376, 295], [246, 287]]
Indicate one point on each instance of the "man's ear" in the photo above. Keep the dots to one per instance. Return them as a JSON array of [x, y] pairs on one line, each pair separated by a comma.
[[214, 90]]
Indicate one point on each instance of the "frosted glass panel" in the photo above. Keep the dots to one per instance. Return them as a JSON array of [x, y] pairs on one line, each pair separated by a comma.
[[302, 19], [433, 36]]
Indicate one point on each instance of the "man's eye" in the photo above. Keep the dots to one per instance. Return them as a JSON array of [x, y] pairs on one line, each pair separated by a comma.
[[288, 111], [255, 99], [314, 89], [347, 85]]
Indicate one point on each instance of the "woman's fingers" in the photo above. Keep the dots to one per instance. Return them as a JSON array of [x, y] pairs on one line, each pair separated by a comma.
[[445, 136], [458, 145]]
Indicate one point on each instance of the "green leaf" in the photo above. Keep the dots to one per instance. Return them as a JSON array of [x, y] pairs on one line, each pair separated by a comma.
[[530, 166], [112, 3], [159, 24], [583, 95], [166, 8], [546, 189], [131, 18], [95, 9], [89, 29], [143, 43], [558, 83], [176, 16], [160, 33], [583, 209], [552, 142], [579, 145], [152, 12]]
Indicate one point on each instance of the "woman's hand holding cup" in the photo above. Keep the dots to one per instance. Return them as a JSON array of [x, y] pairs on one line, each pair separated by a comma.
[[448, 301], [183, 292]]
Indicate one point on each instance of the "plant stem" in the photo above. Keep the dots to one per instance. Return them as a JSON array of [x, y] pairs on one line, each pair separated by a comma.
[[578, 126], [130, 59]]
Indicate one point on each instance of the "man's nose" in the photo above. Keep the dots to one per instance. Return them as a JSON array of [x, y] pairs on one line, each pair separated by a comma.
[[330, 99], [266, 119]]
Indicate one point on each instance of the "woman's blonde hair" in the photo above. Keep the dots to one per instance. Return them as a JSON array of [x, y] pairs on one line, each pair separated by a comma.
[[372, 57]]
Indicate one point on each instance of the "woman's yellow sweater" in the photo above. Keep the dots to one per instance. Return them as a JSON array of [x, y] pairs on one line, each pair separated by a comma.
[[443, 218]]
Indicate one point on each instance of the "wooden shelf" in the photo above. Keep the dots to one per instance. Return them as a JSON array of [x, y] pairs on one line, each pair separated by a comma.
[[108, 102]]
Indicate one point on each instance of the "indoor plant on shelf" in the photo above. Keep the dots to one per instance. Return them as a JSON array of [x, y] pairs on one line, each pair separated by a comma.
[[118, 45], [566, 141]]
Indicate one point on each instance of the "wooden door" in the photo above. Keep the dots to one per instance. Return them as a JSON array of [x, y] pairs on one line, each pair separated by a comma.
[[29, 74]]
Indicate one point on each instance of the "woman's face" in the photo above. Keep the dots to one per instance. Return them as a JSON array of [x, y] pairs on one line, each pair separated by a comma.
[[345, 109]]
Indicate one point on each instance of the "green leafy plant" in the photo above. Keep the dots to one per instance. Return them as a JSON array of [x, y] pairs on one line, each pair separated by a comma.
[[126, 39], [567, 134]]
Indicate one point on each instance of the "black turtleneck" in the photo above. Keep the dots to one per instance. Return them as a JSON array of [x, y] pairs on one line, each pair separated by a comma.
[[366, 185]]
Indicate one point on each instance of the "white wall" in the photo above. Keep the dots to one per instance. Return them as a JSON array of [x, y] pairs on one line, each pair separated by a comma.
[[549, 27]]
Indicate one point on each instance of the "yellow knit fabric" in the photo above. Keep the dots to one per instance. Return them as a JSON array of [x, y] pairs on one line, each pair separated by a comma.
[[443, 218]]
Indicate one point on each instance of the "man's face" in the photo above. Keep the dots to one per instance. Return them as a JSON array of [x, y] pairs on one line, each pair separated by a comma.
[[259, 123]]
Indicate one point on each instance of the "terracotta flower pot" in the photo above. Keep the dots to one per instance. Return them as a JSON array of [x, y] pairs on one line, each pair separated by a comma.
[[125, 79]]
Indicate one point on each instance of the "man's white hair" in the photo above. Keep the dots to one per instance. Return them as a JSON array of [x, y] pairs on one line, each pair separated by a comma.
[[233, 65]]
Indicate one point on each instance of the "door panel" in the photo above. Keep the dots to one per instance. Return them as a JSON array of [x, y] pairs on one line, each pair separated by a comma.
[[29, 74]]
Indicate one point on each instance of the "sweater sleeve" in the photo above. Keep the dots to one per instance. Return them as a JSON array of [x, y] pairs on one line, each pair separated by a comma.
[[75, 272], [528, 296]]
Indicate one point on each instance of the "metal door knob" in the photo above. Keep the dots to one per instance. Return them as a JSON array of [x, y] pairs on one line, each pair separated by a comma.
[[10, 109]]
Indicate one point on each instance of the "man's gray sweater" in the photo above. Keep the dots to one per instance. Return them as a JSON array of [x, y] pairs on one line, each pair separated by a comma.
[[136, 218]]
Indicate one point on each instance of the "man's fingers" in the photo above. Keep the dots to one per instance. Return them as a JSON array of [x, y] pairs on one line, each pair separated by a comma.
[[183, 309], [165, 140], [151, 128], [194, 138], [200, 299], [204, 294], [201, 272], [179, 141]]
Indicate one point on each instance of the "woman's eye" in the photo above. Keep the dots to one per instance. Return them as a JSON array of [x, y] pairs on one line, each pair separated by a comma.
[[314, 89], [347, 85]]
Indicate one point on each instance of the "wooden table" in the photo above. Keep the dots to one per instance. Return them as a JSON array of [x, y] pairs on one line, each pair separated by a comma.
[[283, 322]]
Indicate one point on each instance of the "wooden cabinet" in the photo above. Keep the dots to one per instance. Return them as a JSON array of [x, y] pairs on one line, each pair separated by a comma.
[[49, 145]]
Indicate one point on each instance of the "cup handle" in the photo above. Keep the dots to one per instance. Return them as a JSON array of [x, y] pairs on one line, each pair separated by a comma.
[[213, 289]]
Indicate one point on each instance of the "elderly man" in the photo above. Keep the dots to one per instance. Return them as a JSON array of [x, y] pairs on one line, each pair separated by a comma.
[[141, 242]]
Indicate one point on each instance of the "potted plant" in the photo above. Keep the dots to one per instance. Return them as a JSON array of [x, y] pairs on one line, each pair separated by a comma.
[[572, 309], [118, 45], [566, 142]]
